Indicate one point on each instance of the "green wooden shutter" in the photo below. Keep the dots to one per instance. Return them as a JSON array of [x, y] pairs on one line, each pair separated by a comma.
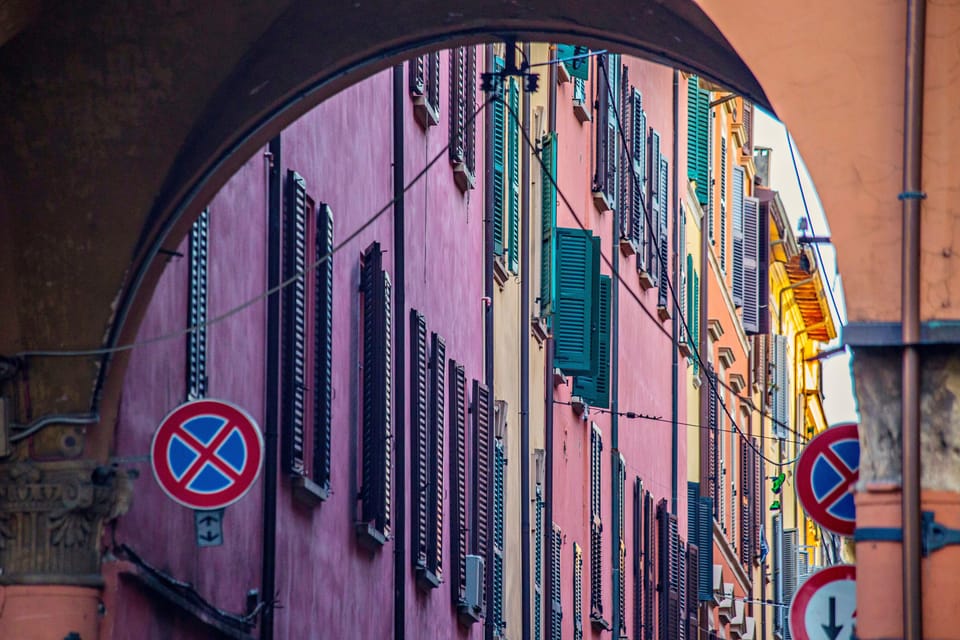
[[575, 282], [538, 567], [499, 157], [595, 390], [698, 126], [579, 68], [548, 219], [499, 464], [513, 185]]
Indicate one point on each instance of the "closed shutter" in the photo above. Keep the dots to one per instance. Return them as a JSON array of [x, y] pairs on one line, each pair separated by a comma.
[[656, 209], [781, 381], [682, 591], [698, 127], [603, 131], [713, 440], [579, 68], [763, 267], [595, 390], [705, 545], [711, 191], [689, 301], [513, 185], [418, 417], [684, 275], [748, 126], [499, 504], [596, 525], [622, 555], [746, 493], [758, 476], [669, 556], [197, 309], [418, 76], [577, 592], [649, 576], [438, 370], [779, 613], [625, 165], [752, 302], [696, 323], [692, 599], [638, 619], [458, 105], [548, 220], [377, 415], [556, 608], [323, 348], [482, 472], [499, 166], [458, 480], [638, 183], [294, 378], [789, 569], [738, 238], [723, 204], [664, 242], [538, 566], [574, 314], [612, 89], [433, 80]]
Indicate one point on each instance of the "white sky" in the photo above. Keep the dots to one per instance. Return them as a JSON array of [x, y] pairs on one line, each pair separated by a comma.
[[839, 400]]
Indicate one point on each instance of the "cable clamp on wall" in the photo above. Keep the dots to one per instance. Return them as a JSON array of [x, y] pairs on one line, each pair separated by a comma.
[[912, 195], [934, 535]]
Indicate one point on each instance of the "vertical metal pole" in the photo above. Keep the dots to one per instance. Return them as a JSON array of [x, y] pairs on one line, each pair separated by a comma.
[[910, 317], [675, 320], [488, 315], [525, 370]]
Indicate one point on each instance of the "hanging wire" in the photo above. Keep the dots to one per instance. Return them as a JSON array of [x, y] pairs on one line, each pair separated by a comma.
[[68, 353]]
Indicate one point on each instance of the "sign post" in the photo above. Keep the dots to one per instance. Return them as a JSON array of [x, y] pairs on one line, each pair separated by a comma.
[[826, 476], [825, 605]]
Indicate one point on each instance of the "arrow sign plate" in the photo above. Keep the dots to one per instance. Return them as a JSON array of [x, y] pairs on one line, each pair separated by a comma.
[[825, 606], [209, 527]]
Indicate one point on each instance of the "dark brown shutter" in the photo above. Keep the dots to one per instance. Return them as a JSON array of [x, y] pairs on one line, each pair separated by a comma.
[[669, 542], [713, 436], [649, 578], [418, 76], [596, 526], [323, 349], [625, 166], [638, 619], [377, 415], [458, 480], [418, 419], [691, 615], [603, 138], [197, 310], [438, 370], [458, 106], [482, 472], [294, 376], [556, 608]]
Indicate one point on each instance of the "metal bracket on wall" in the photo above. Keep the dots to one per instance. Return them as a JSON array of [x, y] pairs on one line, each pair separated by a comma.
[[934, 536]]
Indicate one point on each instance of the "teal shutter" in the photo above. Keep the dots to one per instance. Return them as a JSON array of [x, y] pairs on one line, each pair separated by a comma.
[[513, 185], [538, 569], [499, 463], [548, 241], [574, 317], [499, 156], [595, 390], [579, 68], [698, 126]]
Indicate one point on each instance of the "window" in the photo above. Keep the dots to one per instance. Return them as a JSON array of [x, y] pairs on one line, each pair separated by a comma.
[[698, 130], [506, 174], [664, 243], [307, 335], [638, 182], [608, 149], [700, 536], [713, 439], [556, 608], [622, 556], [482, 471], [655, 200], [577, 308], [596, 531], [458, 482], [595, 389], [781, 387], [424, 72], [738, 274], [427, 416], [649, 551], [463, 105], [499, 504], [548, 235], [197, 309], [723, 205], [689, 613], [753, 271], [538, 565], [670, 570], [577, 592], [376, 427]]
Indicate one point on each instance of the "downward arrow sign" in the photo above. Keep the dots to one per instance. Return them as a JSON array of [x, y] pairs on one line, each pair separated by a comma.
[[832, 630]]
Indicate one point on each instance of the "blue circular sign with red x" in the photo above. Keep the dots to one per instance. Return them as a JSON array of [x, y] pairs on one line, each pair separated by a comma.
[[206, 454], [826, 476]]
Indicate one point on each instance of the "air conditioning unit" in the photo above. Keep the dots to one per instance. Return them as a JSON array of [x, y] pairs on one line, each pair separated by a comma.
[[474, 591]]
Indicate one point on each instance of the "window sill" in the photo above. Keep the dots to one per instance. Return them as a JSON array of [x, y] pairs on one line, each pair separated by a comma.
[[685, 350], [663, 313], [559, 378], [426, 579], [424, 112], [598, 623], [308, 492], [563, 75], [538, 327], [626, 246], [600, 202], [463, 176], [578, 405], [500, 273], [369, 536], [581, 111], [467, 615], [646, 280]]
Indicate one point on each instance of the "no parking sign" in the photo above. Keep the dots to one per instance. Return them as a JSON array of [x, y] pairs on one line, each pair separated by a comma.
[[206, 454]]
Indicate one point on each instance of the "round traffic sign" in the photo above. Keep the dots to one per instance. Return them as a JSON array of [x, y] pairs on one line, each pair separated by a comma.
[[206, 454], [825, 605], [826, 475]]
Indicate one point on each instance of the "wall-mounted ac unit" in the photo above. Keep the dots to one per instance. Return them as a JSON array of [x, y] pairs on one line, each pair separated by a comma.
[[474, 591]]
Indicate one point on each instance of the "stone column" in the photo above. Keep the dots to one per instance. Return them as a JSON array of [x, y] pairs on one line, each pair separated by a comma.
[[877, 372], [52, 516]]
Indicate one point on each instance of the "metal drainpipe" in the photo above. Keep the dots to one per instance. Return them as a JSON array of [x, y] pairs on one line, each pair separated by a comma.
[[548, 394], [614, 411], [268, 571], [675, 381], [910, 317], [488, 214], [704, 353], [399, 349], [525, 372]]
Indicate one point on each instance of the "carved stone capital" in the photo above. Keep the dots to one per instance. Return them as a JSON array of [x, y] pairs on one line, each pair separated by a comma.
[[51, 520]]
